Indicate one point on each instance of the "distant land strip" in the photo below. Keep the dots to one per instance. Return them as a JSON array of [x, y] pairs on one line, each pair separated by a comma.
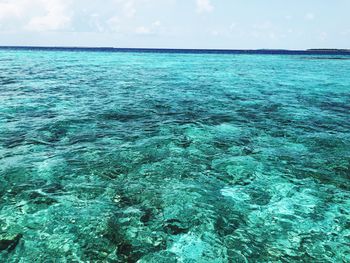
[[191, 51]]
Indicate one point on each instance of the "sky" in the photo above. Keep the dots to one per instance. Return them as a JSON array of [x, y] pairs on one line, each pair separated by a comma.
[[212, 24]]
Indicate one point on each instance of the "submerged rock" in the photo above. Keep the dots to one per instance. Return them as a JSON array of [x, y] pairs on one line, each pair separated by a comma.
[[176, 227], [9, 242]]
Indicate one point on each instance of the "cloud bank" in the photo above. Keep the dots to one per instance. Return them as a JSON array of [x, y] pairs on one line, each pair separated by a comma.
[[175, 23]]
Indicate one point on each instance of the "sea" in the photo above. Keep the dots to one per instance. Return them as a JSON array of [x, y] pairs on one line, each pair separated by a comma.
[[128, 155]]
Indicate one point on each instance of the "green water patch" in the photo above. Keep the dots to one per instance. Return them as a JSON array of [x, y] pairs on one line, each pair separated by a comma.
[[173, 158]]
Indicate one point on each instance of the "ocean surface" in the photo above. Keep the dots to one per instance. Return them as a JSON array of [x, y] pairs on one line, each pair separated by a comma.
[[169, 157]]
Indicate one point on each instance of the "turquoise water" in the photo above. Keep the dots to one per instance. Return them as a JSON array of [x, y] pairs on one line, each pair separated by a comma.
[[132, 157]]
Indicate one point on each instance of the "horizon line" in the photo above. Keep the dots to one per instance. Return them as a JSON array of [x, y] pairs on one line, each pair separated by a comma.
[[316, 51]]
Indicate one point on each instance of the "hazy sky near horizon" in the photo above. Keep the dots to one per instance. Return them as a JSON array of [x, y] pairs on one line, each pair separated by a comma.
[[231, 24]]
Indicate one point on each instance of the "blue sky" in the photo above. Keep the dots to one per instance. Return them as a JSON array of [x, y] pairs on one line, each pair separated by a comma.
[[231, 24]]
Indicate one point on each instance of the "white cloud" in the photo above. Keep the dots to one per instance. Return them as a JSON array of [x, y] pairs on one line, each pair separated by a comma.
[[114, 24], [57, 17], [215, 33], [233, 26], [142, 30], [95, 22], [35, 15], [128, 7], [156, 23], [310, 16], [151, 30], [266, 30], [10, 9], [323, 36], [263, 26], [204, 6]]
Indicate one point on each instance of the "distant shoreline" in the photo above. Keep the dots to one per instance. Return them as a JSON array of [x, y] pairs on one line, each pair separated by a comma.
[[190, 51]]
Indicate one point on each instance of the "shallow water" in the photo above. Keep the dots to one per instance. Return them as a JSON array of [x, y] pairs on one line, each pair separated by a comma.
[[132, 157]]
